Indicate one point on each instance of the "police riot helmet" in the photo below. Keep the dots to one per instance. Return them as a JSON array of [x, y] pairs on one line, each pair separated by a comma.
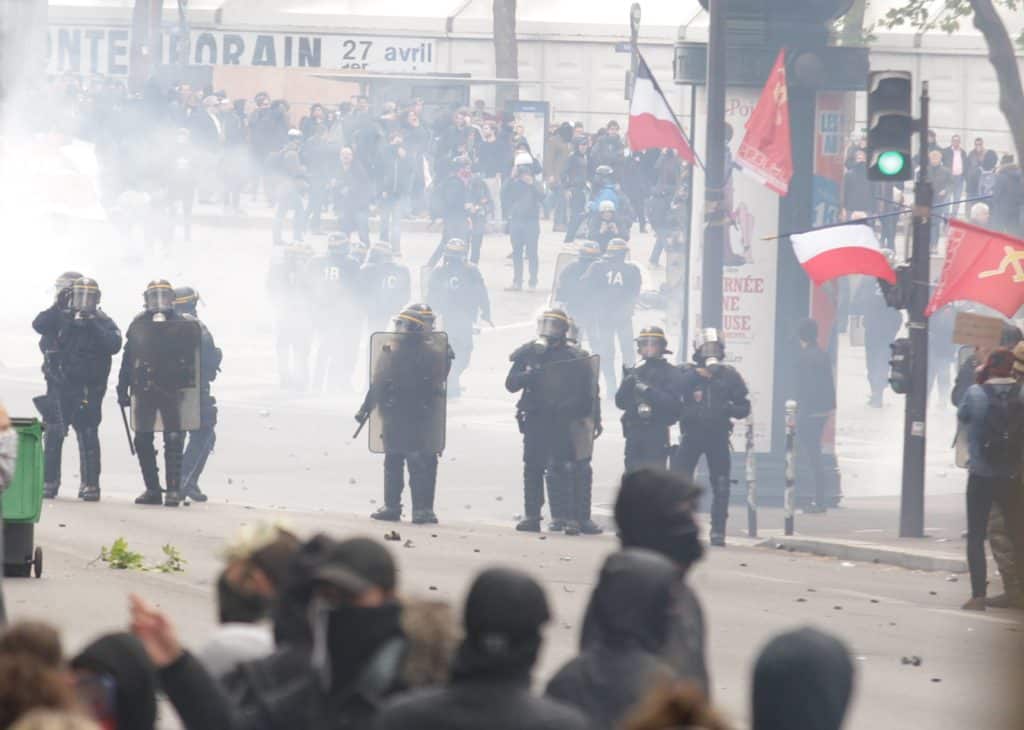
[[553, 324], [185, 300], [380, 253], [455, 250], [709, 347], [415, 318], [589, 251], [652, 343], [64, 282], [603, 171], [159, 296], [85, 295], [606, 206], [617, 249]]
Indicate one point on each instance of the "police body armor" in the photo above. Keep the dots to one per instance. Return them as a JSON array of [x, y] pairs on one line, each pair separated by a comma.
[[408, 392], [165, 381]]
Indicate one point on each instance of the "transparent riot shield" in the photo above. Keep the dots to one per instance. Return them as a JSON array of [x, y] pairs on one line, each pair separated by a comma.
[[408, 392], [564, 259], [165, 374], [581, 430]]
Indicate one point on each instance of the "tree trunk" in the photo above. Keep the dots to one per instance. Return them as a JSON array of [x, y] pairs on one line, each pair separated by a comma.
[[506, 51], [1004, 61]]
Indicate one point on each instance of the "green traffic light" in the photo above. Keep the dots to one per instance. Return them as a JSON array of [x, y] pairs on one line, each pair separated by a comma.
[[891, 162]]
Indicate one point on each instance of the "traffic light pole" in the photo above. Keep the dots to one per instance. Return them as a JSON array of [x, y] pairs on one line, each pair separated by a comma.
[[914, 434], [714, 174]]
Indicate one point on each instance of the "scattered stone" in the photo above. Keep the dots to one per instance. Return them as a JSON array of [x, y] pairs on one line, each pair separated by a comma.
[[932, 593], [351, 480], [837, 608], [499, 498], [801, 600], [433, 534], [566, 626], [743, 565], [476, 550], [848, 564], [543, 537], [432, 588], [373, 501], [469, 506], [392, 536], [951, 579], [914, 661], [812, 590], [230, 480], [779, 546], [568, 589], [936, 680], [566, 559], [874, 600], [61, 524], [408, 544]]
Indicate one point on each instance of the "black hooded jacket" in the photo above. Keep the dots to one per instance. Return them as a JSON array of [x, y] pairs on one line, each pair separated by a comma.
[[629, 612], [802, 681]]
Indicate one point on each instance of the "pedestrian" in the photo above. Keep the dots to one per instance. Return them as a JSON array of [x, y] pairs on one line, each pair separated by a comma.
[[353, 193], [395, 175], [713, 396], [8, 463], [318, 155], [942, 187], [992, 411], [606, 223], [975, 159], [654, 511], [881, 323], [557, 148], [1008, 198], [292, 184], [620, 660], [490, 679], [522, 199], [857, 189], [803, 680], [954, 158], [815, 402], [574, 182]]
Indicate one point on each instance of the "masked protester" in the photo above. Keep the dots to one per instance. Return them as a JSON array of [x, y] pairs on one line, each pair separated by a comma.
[[654, 511], [803, 680], [490, 679], [118, 679], [649, 397], [631, 610], [336, 674], [79, 341], [713, 395], [452, 201], [545, 419]]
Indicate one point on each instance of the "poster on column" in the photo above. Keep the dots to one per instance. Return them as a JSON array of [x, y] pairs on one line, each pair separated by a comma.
[[748, 287]]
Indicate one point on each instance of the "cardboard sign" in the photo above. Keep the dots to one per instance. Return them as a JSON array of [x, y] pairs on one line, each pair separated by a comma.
[[977, 330]]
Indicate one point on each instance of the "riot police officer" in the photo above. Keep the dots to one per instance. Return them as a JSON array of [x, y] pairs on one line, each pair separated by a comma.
[[554, 396], [613, 283], [457, 292], [713, 395], [384, 286], [571, 293], [81, 339], [291, 292], [156, 377], [649, 398], [405, 405], [202, 440], [335, 277]]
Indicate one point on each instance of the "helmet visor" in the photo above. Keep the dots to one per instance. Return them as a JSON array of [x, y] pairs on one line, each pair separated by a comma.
[[159, 299], [85, 297]]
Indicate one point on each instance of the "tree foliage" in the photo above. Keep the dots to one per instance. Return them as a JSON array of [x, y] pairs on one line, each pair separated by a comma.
[[943, 15]]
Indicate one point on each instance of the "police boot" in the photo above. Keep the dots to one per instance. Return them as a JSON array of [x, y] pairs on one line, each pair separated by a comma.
[[719, 511], [558, 499], [533, 498], [584, 495], [422, 485], [394, 481], [173, 448], [150, 474], [83, 461]]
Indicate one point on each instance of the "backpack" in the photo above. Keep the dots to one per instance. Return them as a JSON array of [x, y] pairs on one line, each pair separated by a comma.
[[1002, 440]]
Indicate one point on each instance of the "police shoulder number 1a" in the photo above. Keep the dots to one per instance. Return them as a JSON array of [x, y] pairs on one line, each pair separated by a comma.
[[614, 278]]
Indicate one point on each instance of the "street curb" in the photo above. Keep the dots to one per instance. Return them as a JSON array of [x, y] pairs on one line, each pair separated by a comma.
[[864, 552]]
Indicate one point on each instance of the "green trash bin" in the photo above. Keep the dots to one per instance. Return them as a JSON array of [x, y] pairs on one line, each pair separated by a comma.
[[23, 502]]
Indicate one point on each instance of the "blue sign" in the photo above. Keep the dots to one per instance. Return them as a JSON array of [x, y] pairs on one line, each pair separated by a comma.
[[623, 47]]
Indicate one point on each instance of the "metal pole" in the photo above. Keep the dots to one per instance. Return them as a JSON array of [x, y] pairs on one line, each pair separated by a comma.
[[714, 213], [914, 438], [751, 469], [789, 495]]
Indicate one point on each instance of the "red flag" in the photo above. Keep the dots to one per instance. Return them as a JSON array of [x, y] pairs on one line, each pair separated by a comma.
[[651, 120], [765, 151], [981, 266]]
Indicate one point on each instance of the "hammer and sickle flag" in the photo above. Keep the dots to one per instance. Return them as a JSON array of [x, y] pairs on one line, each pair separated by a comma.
[[766, 151], [981, 266]]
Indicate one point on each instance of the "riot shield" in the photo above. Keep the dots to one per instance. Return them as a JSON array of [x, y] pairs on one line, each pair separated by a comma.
[[581, 431], [408, 392], [165, 375], [564, 259], [568, 390]]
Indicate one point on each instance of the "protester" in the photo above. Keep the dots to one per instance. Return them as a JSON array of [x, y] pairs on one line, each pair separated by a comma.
[[1008, 198], [672, 706], [803, 680], [119, 662], [27, 683], [816, 400], [490, 680]]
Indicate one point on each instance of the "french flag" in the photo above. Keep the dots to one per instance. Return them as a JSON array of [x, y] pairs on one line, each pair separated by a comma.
[[652, 124], [828, 253]]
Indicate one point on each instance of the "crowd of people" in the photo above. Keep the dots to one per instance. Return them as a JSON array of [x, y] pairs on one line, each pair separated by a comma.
[[319, 633]]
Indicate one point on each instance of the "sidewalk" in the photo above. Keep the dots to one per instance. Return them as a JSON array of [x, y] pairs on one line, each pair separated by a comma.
[[866, 529]]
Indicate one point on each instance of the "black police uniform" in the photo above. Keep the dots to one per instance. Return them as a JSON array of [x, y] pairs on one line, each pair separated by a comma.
[[384, 288], [573, 294], [336, 282], [456, 290], [546, 438], [650, 399], [521, 204], [201, 442], [712, 398], [614, 286], [76, 367], [174, 441]]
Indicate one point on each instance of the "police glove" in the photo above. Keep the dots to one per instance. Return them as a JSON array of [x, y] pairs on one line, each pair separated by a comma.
[[362, 415]]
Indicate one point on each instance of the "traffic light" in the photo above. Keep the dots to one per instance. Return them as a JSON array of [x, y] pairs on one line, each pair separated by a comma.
[[897, 295], [890, 126], [899, 365]]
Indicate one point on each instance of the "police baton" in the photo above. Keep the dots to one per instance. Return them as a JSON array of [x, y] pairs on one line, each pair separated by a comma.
[[359, 430], [127, 431]]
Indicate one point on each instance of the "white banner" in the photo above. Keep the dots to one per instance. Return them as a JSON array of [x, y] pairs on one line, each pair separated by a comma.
[[748, 288], [100, 50]]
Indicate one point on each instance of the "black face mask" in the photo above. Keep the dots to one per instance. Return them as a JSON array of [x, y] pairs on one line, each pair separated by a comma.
[[353, 635]]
